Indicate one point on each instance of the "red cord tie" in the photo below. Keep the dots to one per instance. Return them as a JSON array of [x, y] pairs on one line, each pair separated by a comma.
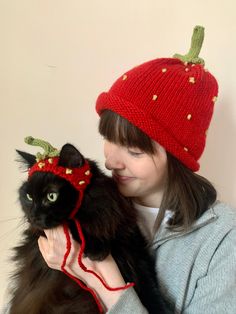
[[68, 248]]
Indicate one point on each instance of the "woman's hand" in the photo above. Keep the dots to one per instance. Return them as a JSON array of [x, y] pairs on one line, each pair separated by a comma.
[[53, 249]]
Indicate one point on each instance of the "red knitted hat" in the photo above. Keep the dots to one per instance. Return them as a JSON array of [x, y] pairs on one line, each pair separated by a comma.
[[169, 99]]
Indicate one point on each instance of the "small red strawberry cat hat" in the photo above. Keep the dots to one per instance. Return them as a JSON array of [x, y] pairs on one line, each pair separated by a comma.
[[79, 177]]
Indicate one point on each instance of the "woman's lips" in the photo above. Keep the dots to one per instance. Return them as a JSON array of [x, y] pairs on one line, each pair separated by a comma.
[[122, 179]]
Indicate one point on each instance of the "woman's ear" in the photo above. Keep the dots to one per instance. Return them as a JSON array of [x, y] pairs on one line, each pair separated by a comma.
[[70, 157]]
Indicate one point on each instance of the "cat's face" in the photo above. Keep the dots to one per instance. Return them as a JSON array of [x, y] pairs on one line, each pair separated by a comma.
[[46, 199]]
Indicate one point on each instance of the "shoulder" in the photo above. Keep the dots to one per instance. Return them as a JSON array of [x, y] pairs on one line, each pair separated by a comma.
[[219, 234], [225, 215], [218, 221], [214, 265], [212, 225], [198, 260], [224, 210]]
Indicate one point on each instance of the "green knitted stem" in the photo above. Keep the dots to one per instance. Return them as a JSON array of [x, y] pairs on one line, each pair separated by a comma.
[[196, 44], [49, 150]]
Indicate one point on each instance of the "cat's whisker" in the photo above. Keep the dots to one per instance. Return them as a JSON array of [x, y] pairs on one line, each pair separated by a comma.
[[11, 219], [14, 229]]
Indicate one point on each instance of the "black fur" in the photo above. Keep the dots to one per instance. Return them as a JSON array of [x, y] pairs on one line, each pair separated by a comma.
[[109, 225]]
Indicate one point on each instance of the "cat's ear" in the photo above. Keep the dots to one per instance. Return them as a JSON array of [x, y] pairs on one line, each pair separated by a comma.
[[70, 157], [27, 159]]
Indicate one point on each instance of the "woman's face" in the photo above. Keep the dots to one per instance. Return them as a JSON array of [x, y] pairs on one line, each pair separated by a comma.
[[138, 175]]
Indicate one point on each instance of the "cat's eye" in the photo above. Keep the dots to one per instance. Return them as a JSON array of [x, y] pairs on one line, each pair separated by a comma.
[[29, 197], [52, 196]]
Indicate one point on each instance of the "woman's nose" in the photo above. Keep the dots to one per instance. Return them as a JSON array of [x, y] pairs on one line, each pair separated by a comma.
[[113, 157], [114, 164]]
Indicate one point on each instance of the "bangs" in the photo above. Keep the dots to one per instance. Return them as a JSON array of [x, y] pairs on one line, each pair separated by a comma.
[[120, 131]]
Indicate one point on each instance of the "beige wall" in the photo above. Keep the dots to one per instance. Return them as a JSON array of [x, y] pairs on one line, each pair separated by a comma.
[[56, 56]]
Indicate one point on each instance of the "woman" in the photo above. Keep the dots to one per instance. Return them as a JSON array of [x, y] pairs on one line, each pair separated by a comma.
[[154, 120]]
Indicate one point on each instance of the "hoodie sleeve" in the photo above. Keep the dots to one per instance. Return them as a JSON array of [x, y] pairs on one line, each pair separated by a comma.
[[128, 303]]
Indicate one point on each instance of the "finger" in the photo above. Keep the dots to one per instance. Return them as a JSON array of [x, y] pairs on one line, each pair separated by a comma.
[[42, 242], [55, 243], [50, 233], [43, 247], [50, 257], [56, 237]]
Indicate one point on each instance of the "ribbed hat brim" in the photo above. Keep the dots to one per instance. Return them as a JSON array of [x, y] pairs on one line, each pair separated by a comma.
[[153, 129]]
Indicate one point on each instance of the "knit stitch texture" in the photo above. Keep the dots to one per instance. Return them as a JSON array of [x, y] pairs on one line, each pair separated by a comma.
[[172, 102]]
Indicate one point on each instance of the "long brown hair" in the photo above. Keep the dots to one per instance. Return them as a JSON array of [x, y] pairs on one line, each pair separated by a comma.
[[187, 194]]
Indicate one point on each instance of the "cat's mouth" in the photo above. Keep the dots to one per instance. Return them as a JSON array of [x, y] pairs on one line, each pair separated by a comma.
[[43, 223]]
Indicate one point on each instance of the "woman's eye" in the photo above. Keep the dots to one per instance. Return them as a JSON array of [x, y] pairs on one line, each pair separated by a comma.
[[29, 197], [135, 153], [52, 197]]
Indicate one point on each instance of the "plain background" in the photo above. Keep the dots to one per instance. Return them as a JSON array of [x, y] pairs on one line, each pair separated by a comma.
[[57, 56]]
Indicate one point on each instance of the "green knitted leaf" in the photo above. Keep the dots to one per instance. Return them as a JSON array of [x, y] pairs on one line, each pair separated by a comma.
[[196, 44], [49, 150]]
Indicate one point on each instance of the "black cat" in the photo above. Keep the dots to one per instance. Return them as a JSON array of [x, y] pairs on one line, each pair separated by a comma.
[[109, 225]]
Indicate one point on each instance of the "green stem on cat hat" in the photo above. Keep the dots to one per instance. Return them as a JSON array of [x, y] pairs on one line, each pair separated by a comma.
[[49, 150], [196, 44]]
